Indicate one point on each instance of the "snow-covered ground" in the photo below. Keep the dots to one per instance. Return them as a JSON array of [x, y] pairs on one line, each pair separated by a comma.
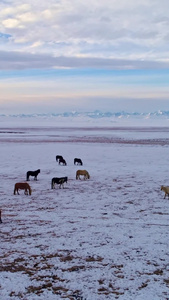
[[103, 238]]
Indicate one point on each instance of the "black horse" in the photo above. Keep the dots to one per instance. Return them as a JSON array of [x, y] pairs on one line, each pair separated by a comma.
[[32, 173], [78, 161], [56, 180], [62, 161], [58, 157]]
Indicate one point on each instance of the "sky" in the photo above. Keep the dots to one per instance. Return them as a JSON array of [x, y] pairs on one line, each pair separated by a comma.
[[61, 55]]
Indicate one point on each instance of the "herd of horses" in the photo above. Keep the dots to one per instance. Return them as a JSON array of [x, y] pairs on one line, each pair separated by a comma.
[[61, 180], [55, 180]]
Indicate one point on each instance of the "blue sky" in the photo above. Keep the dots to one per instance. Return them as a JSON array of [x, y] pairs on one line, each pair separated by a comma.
[[59, 56]]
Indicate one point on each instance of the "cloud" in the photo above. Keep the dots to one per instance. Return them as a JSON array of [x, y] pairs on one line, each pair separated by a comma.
[[103, 29], [19, 61], [42, 39], [12, 23]]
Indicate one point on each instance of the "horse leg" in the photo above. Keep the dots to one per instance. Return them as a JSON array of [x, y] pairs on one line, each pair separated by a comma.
[[26, 192], [17, 191], [0, 217]]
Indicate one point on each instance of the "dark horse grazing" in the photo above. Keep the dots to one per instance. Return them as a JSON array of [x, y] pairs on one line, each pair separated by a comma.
[[32, 173], [56, 180], [78, 161], [58, 157], [62, 161]]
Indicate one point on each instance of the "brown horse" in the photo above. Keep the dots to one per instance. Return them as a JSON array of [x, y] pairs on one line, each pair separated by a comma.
[[84, 173], [165, 189], [22, 186]]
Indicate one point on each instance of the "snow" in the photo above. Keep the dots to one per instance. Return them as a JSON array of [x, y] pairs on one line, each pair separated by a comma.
[[103, 238]]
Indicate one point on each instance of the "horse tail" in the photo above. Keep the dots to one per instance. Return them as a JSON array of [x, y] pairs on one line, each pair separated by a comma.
[[14, 189], [77, 175], [27, 176]]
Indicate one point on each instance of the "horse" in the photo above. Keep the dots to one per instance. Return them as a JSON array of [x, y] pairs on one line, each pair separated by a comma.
[[58, 157], [84, 173], [62, 161], [22, 186], [56, 180], [32, 173], [165, 189], [0, 217], [78, 161]]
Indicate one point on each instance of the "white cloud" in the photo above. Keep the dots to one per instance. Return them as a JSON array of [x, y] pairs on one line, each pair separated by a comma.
[[11, 23], [27, 17], [99, 29]]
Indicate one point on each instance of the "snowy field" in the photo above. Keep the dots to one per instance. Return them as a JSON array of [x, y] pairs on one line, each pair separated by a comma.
[[102, 238]]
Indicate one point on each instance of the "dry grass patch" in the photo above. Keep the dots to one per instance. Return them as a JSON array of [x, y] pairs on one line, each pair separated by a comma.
[[93, 259], [144, 285], [74, 269], [66, 258]]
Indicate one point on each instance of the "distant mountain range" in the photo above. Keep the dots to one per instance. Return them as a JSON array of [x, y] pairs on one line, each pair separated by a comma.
[[93, 115]]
